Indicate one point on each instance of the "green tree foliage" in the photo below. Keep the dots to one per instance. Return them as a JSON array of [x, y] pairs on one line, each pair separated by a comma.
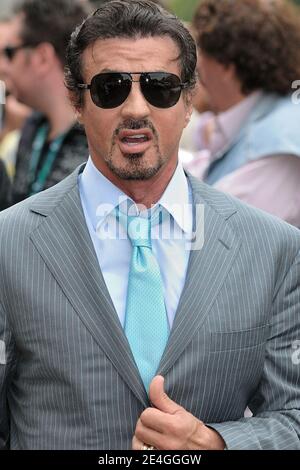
[[184, 8]]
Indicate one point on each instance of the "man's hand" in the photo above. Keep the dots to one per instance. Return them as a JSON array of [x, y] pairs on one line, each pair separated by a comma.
[[168, 426]]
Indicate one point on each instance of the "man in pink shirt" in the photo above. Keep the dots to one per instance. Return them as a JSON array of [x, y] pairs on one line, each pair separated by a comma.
[[249, 145]]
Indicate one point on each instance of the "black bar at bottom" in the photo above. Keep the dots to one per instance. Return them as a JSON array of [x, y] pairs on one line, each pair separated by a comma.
[[131, 460]]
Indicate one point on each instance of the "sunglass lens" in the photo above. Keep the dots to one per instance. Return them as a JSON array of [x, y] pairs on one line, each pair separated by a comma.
[[109, 90], [9, 52], [161, 89]]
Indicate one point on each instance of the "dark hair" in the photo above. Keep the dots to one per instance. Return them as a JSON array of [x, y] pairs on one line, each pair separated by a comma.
[[128, 19], [260, 37], [51, 21]]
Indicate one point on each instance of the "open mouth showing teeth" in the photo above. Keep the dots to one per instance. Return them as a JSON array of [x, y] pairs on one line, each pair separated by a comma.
[[135, 139]]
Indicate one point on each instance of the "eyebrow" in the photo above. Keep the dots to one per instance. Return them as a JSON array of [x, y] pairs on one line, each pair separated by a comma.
[[109, 71], [125, 71]]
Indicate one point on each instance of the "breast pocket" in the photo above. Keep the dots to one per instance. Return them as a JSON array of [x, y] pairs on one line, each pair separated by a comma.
[[232, 340]]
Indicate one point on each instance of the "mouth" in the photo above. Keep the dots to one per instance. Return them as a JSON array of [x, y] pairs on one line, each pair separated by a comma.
[[135, 140]]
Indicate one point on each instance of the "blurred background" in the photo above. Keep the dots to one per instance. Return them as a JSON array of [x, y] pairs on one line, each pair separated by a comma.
[[243, 136], [183, 8]]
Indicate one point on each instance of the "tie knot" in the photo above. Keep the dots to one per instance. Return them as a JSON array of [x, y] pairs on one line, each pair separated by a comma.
[[138, 229]]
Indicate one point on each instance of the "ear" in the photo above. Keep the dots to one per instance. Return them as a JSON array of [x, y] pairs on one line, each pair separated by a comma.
[[73, 98], [229, 72], [188, 108], [45, 57]]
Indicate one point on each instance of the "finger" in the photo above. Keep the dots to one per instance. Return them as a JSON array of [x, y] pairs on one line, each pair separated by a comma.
[[155, 419], [148, 436], [160, 399], [136, 443]]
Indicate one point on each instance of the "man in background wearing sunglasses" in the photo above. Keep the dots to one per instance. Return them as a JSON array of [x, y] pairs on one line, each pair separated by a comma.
[[139, 307], [52, 143], [13, 113]]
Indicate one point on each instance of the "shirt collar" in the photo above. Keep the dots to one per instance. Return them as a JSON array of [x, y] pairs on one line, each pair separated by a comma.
[[176, 199], [98, 192], [232, 120]]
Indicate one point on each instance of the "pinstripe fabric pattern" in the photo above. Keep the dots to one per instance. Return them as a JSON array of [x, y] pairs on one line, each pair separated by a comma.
[[70, 378]]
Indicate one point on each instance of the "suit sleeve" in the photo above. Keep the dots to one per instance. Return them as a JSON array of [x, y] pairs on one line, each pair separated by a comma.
[[7, 362], [275, 423]]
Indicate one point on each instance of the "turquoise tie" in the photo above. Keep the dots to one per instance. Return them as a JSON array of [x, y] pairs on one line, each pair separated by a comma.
[[146, 323]]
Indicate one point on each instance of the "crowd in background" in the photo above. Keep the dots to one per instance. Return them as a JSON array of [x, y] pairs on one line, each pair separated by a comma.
[[243, 137], [128, 336]]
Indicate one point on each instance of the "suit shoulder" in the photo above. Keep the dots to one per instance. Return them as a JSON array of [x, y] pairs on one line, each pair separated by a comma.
[[17, 218], [27, 215]]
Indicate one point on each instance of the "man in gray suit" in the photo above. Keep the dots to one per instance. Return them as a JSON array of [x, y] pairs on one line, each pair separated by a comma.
[[77, 366]]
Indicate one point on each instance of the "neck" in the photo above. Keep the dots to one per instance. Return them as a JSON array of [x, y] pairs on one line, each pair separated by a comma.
[[61, 118], [56, 106], [144, 192], [229, 97]]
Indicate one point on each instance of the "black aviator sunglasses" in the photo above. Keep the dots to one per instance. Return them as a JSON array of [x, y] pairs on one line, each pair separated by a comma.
[[10, 51], [111, 89]]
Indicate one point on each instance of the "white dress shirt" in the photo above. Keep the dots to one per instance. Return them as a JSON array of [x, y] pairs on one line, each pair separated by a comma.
[[99, 198]]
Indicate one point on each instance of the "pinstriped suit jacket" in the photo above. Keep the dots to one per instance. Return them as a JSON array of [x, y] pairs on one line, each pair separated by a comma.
[[67, 376]]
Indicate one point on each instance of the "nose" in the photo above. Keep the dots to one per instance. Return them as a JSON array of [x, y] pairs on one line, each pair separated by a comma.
[[135, 106]]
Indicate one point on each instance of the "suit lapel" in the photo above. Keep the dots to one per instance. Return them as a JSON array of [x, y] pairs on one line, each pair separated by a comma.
[[64, 243], [207, 270]]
